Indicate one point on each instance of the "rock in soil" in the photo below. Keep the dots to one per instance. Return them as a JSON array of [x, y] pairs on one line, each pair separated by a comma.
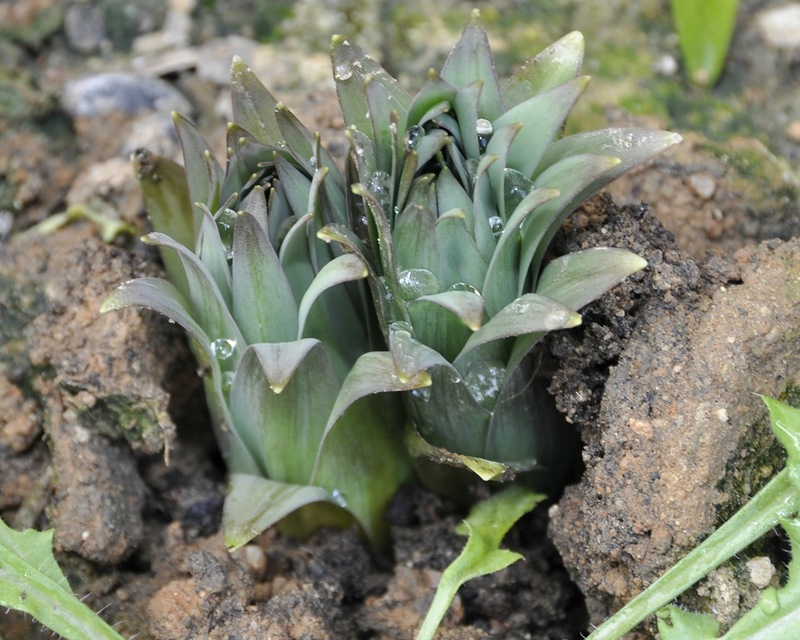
[[677, 439]]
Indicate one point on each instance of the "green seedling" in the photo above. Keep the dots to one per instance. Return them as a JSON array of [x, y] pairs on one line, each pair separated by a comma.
[[486, 525], [109, 227], [778, 611], [32, 582], [349, 320], [704, 30]]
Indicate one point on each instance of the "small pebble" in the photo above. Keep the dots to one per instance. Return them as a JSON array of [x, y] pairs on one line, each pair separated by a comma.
[[780, 26], [761, 571], [703, 184], [128, 93]]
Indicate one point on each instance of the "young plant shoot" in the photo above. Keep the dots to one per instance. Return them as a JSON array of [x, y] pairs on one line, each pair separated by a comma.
[[350, 319]]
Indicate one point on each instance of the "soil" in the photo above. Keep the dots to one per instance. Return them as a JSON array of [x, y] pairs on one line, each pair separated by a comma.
[[104, 435]]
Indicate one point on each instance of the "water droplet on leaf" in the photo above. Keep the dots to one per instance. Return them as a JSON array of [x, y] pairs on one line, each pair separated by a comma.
[[413, 137], [223, 348], [417, 282], [342, 72], [484, 379], [497, 226], [517, 186], [485, 130], [463, 286], [338, 498], [768, 602], [421, 395]]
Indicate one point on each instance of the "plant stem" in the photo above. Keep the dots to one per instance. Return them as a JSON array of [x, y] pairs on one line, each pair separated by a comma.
[[778, 499]]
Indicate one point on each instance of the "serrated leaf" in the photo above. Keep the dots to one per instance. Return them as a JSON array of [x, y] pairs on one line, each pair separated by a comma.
[[32, 582], [786, 425], [486, 525], [676, 624], [578, 278], [557, 64]]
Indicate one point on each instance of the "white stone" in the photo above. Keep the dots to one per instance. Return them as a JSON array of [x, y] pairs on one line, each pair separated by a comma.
[[780, 27]]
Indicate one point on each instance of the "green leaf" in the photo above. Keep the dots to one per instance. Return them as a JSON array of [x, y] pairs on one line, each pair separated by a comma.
[[212, 253], [205, 298], [631, 146], [345, 268], [578, 278], [203, 173], [465, 305], [466, 112], [574, 178], [786, 425], [253, 504], [253, 105], [352, 69], [485, 469], [166, 199], [541, 118], [283, 393], [502, 284], [486, 525], [433, 98], [460, 260], [704, 32], [471, 61], [160, 296], [414, 238], [529, 313], [263, 303], [557, 64], [676, 624], [31, 581]]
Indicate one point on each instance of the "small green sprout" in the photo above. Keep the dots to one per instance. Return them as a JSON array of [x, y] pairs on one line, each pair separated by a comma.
[[777, 614], [32, 582], [704, 30], [349, 320], [486, 525]]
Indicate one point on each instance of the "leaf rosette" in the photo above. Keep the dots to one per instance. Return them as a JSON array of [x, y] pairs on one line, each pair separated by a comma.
[[458, 193], [313, 293]]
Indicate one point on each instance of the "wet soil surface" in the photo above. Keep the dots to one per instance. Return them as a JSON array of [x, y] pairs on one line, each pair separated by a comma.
[[660, 379]]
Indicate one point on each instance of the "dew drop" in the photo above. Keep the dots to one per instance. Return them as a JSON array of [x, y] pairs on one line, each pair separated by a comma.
[[401, 347], [472, 169], [463, 286], [517, 186], [338, 498], [380, 186], [413, 137], [485, 130], [484, 127], [226, 220], [342, 72], [223, 348], [422, 395], [227, 381], [497, 226], [768, 602], [484, 379], [417, 282]]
